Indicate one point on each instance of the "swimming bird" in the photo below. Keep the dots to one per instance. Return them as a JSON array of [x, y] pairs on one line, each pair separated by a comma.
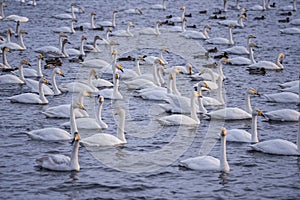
[[282, 97], [242, 60], [75, 52], [16, 18], [240, 50], [66, 29], [220, 40], [179, 19], [205, 163], [3, 4], [124, 33], [284, 115], [112, 93], [269, 65], [151, 31], [13, 79], [162, 6], [201, 34], [111, 23], [66, 15], [238, 23], [291, 31], [259, 7]]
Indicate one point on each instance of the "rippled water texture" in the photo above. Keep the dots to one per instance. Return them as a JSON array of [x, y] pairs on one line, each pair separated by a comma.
[[147, 166]]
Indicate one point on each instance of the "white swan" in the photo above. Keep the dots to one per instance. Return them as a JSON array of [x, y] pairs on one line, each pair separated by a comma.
[[66, 29], [91, 123], [201, 34], [234, 113], [63, 111], [112, 93], [186, 69], [291, 31], [88, 25], [66, 15], [130, 73], [151, 59], [16, 18], [51, 51], [290, 84], [240, 50], [284, 115], [30, 98], [239, 60], [210, 101], [219, 40], [13, 79], [180, 29], [103, 139], [15, 46], [111, 23], [205, 163], [290, 7], [75, 52], [179, 19], [133, 11], [3, 4], [162, 6], [151, 31], [295, 22], [238, 23], [259, 7], [283, 97], [269, 65], [177, 119], [32, 72], [58, 162], [124, 33], [94, 47], [240, 135], [4, 64]]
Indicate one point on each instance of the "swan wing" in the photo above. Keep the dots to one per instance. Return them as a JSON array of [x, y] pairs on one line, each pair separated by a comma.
[[28, 98], [276, 146], [49, 134], [283, 97], [201, 163], [173, 120], [283, 115], [101, 139], [238, 135], [229, 114], [54, 162]]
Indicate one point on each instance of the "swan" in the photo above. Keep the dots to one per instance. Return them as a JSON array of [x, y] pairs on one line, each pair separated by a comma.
[[259, 7], [181, 28], [30, 98], [269, 65], [219, 40], [63, 111], [293, 89], [103, 139], [53, 133], [66, 15], [129, 73], [32, 3], [15, 46], [80, 86], [34, 85], [111, 23], [32, 72], [16, 18], [295, 22], [75, 52], [290, 84], [91, 123], [66, 29], [240, 135], [238, 23], [283, 115], [209, 101], [179, 19], [212, 84], [3, 4], [49, 50], [151, 59], [77, 9], [88, 25], [186, 69], [94, 47], [4, 64], [162, 6], [234, 113], [151, 31], [133, 11], [290, 7], [97, 82], [242, 60], [155, 78], [205, 163], [112, 93], [201, 34], [13, 79], [291, 31], [177, 119], [240, 50], [283, 97], [58, 162], [124, 33]]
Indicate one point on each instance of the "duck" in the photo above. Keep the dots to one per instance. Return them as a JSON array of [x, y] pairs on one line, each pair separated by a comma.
[[240, 135], [283, 115], [151, 31], [2, 16], [56, 134], [201, 34], [66, 15], [219, 40], [259, 18], [209, 163], [75, 52], [66, 29], [290, 7], [31, 98], [238, 23], [91, 123], [269, 65], [124, 33], [34, 85], [162, 6], [111, 23], [234, 113], [282, 97], [286, 20], [58, 162], [291, 31], [104, 139], [240, 50], [179, 19], [183, 120], [63, 111], [112, 93], [13, 79], [259, 7], [242, 60]]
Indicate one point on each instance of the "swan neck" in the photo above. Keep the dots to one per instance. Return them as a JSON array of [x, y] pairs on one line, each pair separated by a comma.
[[240, 22], [254, 137], [137, 67], [74, 164], [64, 50], [72, 120], [21, 73], [183, 26], [174, 85], [93, 22], [223, 157], [205, 33], [230, 37], [278, 62], [193, 108], [298, 135], [41, 93], [220, 97], [72, 27], [251, 55], [81, 48], [263, 4], [5, 59], [114, 20], [55, 88], [220, 68], [155, 76], [116, 92], [248, 103], [21, 41], [120, 133], [159, 75], [225, 6], [294, 5], [18, 29], [8, 37], [39, 68], [164, 4], [73, 12], [183, 14], [157, 32], [169, 86], [2, 11], [202, 109], [60, 41]]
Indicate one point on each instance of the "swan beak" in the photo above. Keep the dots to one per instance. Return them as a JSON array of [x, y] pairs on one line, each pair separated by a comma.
[[101, 99], [256, 93], [141, 58], [260, 113], [198, 94], [76, 137], [206, 85], [179, 71], [223, 132], [166, 50], [61, 74], [163, 70], [226, 60], [119, 67], [46, 81], [1, 38], [139, 11]]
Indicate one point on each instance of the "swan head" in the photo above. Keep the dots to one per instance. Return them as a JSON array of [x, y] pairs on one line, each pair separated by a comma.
[[45, 81], [232, 26], [251, 36], [207, 26], [253, 45], [62, 34], [3, 4], [182, 8], [78, 105], [252, 91], [120, 111], [59, 72], [131, 24], [101, 99], [76, 137], [197, 94], [74, 20], [159, 22], [225, 60], [281, 56], [108, 30], [97, 37], [5, 49], [25, 62], [258, 112], [40, 57], [93, 13], [94, 73], [66, 41], [23, 32], [177, 70], [86, 94], [10, 31], [115, 12], [203, 84], [119, 67], [141, 58], [243, 10], [83, 37], [166, 50], [158, 61], [223, 132]]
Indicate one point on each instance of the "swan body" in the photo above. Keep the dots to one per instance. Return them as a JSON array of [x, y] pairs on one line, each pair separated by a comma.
[[66, 15], [13, 79], [205, 163], [133, 11], [59, 162], [151, 31], [240, 50], [32, 72], [130, 74], [295, 22], [88, 25], [242, 60], [77, 87], [293, 89], [75, 52], [66, 29], [5, 64], [283, 97], [110, 23], [151, 59], [102, 139], [238, 23], [95, 63], [283, 115], [269, 65], [124, 33], [290, 7], [259, 7], [15, 46], [202, 34], [49, 134], [179, 19], [30, 98], [219, 40], [16, 18], [291, 31], [162, 6]]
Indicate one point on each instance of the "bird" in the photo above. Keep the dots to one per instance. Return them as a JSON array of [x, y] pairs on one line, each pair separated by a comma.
[[87, 25], [16, 18], [124, 33], [76, 52], [220, 40], [179, 19], [66, 29], [240, 50], [206, 163], [291, 31], [112, 93], [111, 23], [283, 115], [14, 46], [3, 4], [269, 65], [242, 60], [282, 97], [60, 162], [259, 7], [201, 34], [13, 79], [238, 23], [66, 15], [151, 31], [290, 7], [162, 6], [32, 72]]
